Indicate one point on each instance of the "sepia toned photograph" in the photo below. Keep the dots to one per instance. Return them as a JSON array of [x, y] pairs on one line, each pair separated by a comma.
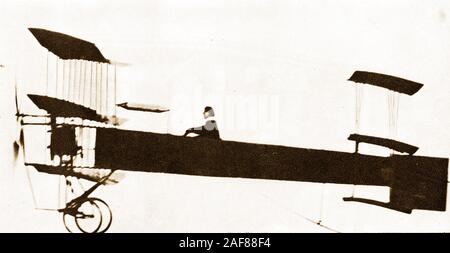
[[224, 116]]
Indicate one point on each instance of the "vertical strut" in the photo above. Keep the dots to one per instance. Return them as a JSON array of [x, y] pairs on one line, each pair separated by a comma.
[[101, 87], [96, 87], [90, 86], [57, 73], [46, 77], [107, 78], [63, 81], [72, 93], [358, 106], [80, 87], [67, 95], [115, 92]]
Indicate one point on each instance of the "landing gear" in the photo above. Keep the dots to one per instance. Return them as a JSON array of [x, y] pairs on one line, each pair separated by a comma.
[[86, 214], [106, 215], [90, 215], [81, 213]]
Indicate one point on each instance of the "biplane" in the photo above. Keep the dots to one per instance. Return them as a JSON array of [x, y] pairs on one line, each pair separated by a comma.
[[85, 143]]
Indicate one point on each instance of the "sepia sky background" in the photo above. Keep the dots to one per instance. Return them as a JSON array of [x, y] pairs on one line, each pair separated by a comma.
[[275, 71]]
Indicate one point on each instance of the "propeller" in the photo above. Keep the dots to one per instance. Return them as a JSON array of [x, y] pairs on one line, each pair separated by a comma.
[[16, 151], [19, 142]]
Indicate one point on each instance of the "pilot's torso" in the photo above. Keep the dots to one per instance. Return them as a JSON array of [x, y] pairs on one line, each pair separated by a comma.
[[210, 129]]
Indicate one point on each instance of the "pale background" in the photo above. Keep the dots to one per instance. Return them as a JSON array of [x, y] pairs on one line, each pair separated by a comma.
[[275, 72]]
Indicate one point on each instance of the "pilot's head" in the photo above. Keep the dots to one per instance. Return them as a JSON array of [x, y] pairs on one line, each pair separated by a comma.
[[208, 112]]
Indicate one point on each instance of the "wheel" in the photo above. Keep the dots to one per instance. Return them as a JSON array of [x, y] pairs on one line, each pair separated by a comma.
[[88, 216], [69, 222], [106, 214], [92, 215]]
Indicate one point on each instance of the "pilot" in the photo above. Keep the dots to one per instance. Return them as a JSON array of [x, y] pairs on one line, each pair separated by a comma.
[[209, 130]]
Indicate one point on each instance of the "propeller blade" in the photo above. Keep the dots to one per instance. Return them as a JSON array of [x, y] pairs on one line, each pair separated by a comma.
[[16, 148], [21, 138], [16, 99], [19, 141], [22, 143]]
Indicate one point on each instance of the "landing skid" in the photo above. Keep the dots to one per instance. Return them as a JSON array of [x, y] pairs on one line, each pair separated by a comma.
[[378, 203]]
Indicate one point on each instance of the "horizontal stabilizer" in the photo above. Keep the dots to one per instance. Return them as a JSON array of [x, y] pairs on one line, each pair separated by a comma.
[[143, 107], [388, 143], [386, 81]]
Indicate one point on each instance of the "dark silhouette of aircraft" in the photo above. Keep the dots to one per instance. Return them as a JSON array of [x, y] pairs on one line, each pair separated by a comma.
[[415, 182]]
